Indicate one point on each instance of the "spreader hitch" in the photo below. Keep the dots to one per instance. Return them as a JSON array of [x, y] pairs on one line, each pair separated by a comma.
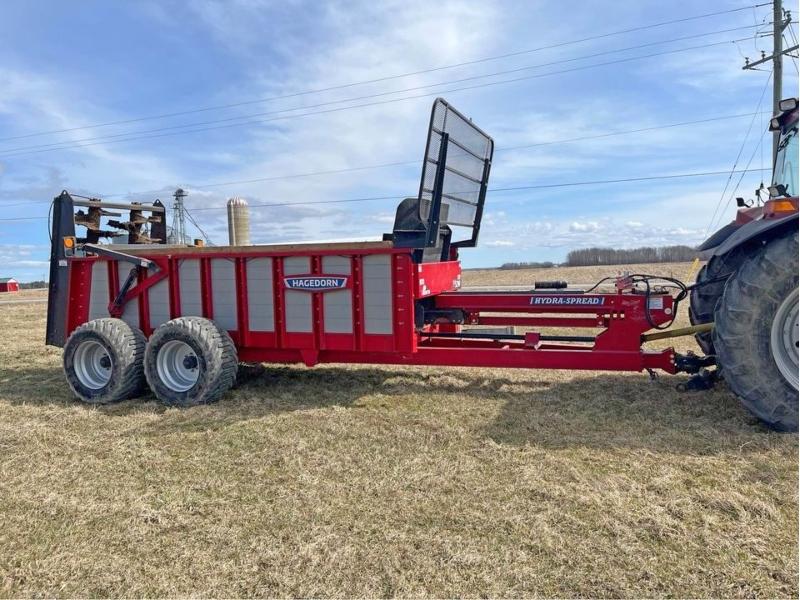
[[703, 378], [692, 363]]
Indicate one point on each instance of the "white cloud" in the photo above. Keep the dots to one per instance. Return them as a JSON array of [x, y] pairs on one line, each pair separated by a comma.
[[336, 44], [385, 38], [567, 235], [578, 227], [23, 261], [35, 102]]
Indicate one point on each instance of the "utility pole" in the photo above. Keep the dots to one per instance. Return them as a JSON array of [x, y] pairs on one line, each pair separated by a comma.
[[779, 23], [777, 66], [179, 217]]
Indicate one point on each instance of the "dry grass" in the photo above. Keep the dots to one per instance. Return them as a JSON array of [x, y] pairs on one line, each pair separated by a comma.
[[23, 295], [579, 275], [362, 481]]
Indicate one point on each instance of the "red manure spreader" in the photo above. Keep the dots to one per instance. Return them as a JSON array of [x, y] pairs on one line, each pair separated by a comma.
[[179, 318]]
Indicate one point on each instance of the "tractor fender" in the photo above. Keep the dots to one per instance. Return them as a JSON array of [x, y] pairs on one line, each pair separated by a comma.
[[732, 236]]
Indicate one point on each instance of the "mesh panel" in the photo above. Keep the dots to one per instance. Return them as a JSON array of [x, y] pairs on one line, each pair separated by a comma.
[[467, 150]]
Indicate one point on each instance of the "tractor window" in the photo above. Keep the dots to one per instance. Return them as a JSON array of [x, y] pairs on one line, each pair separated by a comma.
[[786, 163]]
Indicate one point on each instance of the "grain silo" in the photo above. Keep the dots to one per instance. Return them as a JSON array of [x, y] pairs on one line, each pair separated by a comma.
[[238, 222]]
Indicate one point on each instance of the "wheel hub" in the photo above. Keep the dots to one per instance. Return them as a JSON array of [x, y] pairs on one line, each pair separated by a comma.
[[178, 366], [92, 365], [784, 338]]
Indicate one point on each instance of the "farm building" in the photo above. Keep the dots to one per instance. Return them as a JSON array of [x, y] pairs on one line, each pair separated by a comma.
[[9, 284]]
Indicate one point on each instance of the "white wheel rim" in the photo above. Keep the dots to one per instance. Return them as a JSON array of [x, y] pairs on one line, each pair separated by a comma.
[[784, 338], [178, 366], [92, 364]]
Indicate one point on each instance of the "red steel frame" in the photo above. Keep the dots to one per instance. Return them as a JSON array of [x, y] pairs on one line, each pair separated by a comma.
[[621, 317]]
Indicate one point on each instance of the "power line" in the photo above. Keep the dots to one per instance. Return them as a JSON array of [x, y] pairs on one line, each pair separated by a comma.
[[493, 190], [390, 77], [794, 60], [741, 178], [23, 219], [794, 39], [59, 145], [418, 161], [615, 133], [738, 155], [368, 104], [370, 96], [791, 32], [200, 229], [605, 181]]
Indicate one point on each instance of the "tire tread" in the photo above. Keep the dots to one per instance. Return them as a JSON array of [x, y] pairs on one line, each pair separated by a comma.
[[741, 336], [704, 298], [128, 343], [221, 361]]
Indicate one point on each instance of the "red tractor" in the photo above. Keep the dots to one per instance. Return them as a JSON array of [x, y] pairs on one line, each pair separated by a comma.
[[748, 289]]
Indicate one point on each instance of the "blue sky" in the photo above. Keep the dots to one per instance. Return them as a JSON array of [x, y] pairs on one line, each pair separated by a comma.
[[68, 65]]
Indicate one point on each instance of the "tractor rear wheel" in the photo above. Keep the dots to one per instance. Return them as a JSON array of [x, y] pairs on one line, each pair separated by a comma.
[[190, 361], [756, 333], [707, 291], [103, 361]]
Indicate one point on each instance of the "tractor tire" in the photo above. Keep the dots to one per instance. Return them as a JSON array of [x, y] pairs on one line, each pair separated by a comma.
[[103, 361], [190, 361], [707, 291], [756, 333]]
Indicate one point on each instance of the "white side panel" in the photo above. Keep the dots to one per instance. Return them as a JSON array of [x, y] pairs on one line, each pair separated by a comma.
[[337, 307], [261, 308], [223, 293], [298, 304], [158, 299], [98, 298], [130, 312], [189, 280], [377, 293]]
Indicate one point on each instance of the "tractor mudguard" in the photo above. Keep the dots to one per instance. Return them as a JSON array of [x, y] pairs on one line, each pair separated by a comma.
[[731, 236]]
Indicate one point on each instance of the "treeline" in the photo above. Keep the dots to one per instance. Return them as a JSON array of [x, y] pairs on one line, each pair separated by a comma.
[[526, 265], [32, 285], [611, 256]]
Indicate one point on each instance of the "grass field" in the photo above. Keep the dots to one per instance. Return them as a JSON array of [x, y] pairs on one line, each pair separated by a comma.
[[389, 481]]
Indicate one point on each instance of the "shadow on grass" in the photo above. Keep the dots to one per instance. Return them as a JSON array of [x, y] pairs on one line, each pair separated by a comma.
[[270, 389], [629, 411], [34, 385], [603, 410]]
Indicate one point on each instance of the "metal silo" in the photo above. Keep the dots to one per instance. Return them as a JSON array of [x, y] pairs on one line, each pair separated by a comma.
[[238, 222]]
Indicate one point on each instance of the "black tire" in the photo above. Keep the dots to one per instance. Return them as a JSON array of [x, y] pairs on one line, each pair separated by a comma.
[[103, 361], [207, 362], [742, 332], [704, 298]]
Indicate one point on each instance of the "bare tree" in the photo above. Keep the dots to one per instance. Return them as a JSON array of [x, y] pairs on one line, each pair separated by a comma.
[[646, 254]]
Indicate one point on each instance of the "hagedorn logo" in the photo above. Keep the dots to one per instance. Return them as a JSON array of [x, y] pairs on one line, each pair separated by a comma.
[[568, 300], [316, 283]]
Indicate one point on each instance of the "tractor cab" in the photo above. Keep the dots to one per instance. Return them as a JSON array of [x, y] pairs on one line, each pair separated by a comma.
[[446, 213], [785, 172], [753, 218]]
